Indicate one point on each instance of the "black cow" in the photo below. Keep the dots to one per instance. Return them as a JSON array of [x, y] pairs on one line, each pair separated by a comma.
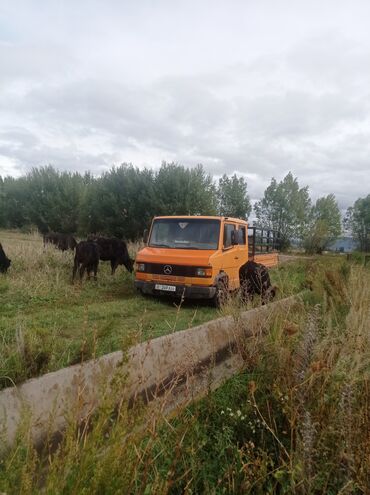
[[255, 279], [66, 241], [61, 241], [86, 258], [115, 251], [4, 261], [50, 238]]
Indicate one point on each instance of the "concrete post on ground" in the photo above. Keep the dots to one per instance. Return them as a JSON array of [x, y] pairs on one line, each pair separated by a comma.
[[175, 368]]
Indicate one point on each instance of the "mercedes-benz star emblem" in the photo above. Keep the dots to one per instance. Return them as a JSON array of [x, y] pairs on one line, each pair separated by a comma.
[[167, 269]]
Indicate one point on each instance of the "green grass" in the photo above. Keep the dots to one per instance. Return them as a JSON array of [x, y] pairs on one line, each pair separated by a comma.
[[47, 323], [295, 421]]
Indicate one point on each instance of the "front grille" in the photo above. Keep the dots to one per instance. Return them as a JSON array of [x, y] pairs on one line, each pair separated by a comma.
[[169, 278], [176, 270]]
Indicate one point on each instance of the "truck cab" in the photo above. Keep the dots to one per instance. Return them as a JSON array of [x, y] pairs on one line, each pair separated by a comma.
[[199, 256]]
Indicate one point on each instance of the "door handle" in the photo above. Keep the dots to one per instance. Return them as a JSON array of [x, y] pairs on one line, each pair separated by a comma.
[[236, 258]]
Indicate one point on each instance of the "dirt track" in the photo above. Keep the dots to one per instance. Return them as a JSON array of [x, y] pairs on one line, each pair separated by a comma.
[[285, 258]]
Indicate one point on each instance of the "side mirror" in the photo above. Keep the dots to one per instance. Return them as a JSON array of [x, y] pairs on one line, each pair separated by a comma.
[[234, 238], [145, 235]]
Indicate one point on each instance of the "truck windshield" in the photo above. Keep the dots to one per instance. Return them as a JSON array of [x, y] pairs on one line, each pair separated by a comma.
[[185, 233]]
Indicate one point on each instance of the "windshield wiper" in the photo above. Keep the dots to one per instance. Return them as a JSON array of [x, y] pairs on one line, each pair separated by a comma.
[[186, 247], [160, 245]]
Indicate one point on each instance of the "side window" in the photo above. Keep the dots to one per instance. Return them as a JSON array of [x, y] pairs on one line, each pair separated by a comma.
[[242, 235], [228, 228]]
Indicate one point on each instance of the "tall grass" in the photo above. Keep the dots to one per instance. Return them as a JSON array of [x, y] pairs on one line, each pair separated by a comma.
[[46, 322], [297, 420]]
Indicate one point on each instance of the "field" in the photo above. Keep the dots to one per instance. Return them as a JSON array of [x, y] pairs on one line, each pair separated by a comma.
[[296, 421], [46, 322]]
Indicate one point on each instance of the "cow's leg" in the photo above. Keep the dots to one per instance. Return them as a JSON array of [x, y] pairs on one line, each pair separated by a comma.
[[113, 264], [75, 268], [82, 270], [95, 272]]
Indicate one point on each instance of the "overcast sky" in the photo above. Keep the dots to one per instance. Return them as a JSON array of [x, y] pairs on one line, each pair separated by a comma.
[[254, 87]]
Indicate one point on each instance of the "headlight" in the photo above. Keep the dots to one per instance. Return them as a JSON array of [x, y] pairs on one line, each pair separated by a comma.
[[203, 272], [140, 267]]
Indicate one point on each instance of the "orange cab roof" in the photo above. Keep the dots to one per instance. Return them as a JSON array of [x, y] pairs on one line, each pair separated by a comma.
[[205, 217]]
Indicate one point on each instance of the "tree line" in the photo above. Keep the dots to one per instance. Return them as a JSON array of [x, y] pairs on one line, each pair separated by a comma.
[[122, 202]]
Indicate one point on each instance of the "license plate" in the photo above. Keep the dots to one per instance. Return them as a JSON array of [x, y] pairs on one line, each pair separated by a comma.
[[169, 288]]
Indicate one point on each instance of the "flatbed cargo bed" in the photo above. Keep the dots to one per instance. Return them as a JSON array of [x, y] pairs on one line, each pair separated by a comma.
[[267, 259]]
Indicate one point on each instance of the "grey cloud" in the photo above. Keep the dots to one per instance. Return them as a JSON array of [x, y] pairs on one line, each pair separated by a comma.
[[331, 60], [22, 147], [302, 106], [21, 62], [16, 137], [296, 113], [264, 135]]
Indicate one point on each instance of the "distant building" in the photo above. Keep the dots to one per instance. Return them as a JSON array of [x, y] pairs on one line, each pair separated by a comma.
[[343, 245]]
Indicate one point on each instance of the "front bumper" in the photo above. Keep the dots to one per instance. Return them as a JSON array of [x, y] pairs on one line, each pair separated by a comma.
[[189, 292]]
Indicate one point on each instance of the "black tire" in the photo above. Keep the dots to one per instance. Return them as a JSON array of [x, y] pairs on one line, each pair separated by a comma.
[[222, 294], [243, 290]]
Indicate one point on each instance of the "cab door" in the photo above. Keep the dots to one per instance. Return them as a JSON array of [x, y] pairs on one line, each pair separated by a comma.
[[243, 244], [230, 254]]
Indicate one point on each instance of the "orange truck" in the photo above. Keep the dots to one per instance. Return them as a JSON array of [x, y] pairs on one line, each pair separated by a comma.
[[200, 257]]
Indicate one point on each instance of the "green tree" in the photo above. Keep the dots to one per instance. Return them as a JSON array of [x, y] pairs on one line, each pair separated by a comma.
[[88, 218], [15, 194], [119, 203], [2, 203], [53, 199], [202, 195], [285, 207], [184, 191], [325, 224], [233, 197], [357, 220]]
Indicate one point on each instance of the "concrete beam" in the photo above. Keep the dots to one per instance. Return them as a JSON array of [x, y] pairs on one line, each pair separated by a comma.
[[174, 369]]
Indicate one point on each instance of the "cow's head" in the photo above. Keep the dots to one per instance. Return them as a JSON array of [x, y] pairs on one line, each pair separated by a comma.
[[129, 264], [72, 243], [124, 257]]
